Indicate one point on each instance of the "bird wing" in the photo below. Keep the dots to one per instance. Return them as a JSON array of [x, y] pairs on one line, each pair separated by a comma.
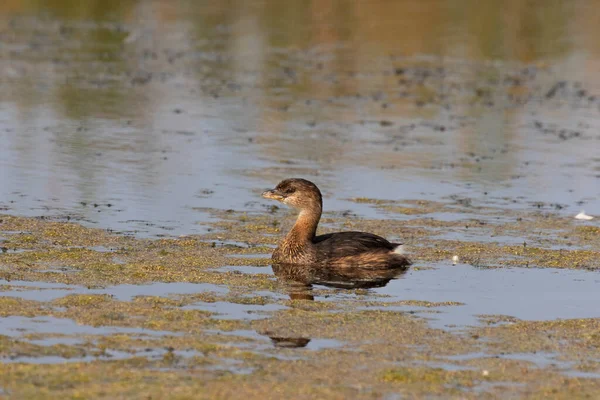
[[343, 244]]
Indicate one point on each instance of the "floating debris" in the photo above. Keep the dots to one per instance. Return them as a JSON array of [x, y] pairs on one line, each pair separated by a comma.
[[582, 215], [454, 260]]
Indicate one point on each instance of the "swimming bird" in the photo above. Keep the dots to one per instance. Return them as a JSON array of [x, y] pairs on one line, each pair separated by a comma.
[[342, 249]]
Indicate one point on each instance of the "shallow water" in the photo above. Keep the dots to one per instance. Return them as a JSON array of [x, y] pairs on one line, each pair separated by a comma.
[[534, 294], [14, 326], [43, 291], [523, 293], [227, 310], [149, 117], [540, 359], [108, 119]]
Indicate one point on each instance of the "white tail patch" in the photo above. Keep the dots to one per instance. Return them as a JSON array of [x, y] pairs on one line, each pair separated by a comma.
[[582, 215], [400, 249]]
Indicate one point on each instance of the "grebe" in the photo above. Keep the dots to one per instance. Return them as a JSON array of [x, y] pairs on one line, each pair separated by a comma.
[[341, 249]]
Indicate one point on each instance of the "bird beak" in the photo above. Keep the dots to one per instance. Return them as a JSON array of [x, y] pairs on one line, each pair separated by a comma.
[[273, 194]]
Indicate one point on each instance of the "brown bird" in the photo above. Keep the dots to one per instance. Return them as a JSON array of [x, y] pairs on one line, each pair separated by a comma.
[[341, 249]]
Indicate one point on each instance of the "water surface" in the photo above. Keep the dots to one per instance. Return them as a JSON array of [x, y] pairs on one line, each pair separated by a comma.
[[148, 117], [138, 116]]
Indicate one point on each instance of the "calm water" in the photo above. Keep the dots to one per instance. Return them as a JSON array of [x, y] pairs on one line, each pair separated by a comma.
[[154, 110], [138, 116]]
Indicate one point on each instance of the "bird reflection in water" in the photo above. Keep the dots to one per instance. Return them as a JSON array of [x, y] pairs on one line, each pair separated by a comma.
[[298, 281], [288, 342]]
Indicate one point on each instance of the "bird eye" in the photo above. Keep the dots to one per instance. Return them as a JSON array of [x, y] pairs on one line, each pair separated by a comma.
[[289, 190]]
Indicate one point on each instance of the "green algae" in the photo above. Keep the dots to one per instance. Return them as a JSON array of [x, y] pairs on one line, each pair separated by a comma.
[[430, 378], [197, 355], [16, 349], [380, 354]]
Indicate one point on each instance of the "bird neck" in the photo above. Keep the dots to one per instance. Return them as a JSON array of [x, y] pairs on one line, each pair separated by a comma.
[[305, 228]]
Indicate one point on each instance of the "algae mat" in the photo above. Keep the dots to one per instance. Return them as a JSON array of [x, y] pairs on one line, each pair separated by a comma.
[[89, 314], [137, 137]]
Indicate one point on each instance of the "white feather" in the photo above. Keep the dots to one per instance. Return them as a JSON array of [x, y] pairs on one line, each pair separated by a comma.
[[400, 249]]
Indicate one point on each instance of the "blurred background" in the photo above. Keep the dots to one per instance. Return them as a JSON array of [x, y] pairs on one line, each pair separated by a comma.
[[142, 115]]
